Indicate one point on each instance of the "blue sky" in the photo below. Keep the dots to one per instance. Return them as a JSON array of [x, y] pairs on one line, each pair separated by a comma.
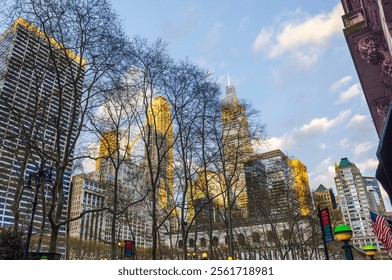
[[289, 58]]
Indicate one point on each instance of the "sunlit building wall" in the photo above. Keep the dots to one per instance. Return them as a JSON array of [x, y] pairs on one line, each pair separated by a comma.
[[302, 188], [159, 135]]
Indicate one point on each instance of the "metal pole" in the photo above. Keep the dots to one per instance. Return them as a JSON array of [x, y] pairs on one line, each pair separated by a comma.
[[347, 250]]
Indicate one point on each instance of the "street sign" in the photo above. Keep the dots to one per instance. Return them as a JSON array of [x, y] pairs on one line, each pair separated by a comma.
[[326, 225]]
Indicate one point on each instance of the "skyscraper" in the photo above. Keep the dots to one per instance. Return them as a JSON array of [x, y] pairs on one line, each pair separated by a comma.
[[281, 199], [236, 146], [302, 188], [159, 138], [354, 202], [37, 95], [374, 191]]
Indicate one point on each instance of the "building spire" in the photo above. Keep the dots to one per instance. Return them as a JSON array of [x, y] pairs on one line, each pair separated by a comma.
[[228, 79]]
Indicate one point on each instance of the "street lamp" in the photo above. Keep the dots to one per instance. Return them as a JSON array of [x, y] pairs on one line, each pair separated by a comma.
[[191, 256], [204, 256], [370, 251], [120, 245], [44, 175], [344, 233]]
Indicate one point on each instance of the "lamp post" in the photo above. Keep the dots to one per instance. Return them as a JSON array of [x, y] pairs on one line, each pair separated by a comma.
[[44, 175], [191, 255], [204, 256], [370, 251], [344, 233], [120, 245]]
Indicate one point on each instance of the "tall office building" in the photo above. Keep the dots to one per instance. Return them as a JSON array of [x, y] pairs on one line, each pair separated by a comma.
[[302, 188], [374, 192], [159, 138], [34, 111], [281, 199], [237, 146], [354, 203], [367, 28]]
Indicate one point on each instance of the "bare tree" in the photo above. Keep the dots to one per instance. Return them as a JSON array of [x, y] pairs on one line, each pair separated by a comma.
[[83, 49]]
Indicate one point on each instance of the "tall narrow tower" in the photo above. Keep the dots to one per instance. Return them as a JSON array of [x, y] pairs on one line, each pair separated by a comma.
[[237, 145]]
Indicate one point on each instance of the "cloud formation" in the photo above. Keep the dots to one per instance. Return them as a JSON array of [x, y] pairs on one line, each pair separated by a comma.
[[303, 40], [349, 93], [315, 127], [341, 83]]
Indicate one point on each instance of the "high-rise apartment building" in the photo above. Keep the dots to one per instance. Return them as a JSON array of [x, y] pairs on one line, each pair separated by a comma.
[[354, 203], [34, 112]]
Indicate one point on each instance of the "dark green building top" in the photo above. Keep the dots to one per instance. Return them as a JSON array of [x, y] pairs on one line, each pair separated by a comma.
[[344, 162]]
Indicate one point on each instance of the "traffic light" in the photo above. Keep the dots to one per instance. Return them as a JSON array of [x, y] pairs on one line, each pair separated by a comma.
[[128, 248]]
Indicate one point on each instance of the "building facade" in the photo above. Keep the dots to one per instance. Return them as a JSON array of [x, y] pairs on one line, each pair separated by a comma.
[[354, 202], [325, 198], [35, 114], [94, 192], [367, 28], [375, 196], [281, 200], [237, 148]]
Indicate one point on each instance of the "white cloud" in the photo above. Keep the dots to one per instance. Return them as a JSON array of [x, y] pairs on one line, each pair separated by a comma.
[[323, 174], [351, 92], [274, 143], [304, 40], [322, 125], [344, 143], [357, 121], [341, 83], [244, 23], [363, 148], [262, 39], [368, 167], [323, 146], [297, 135]]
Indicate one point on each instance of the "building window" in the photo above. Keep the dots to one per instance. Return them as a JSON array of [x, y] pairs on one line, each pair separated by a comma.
[[203, 242]]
